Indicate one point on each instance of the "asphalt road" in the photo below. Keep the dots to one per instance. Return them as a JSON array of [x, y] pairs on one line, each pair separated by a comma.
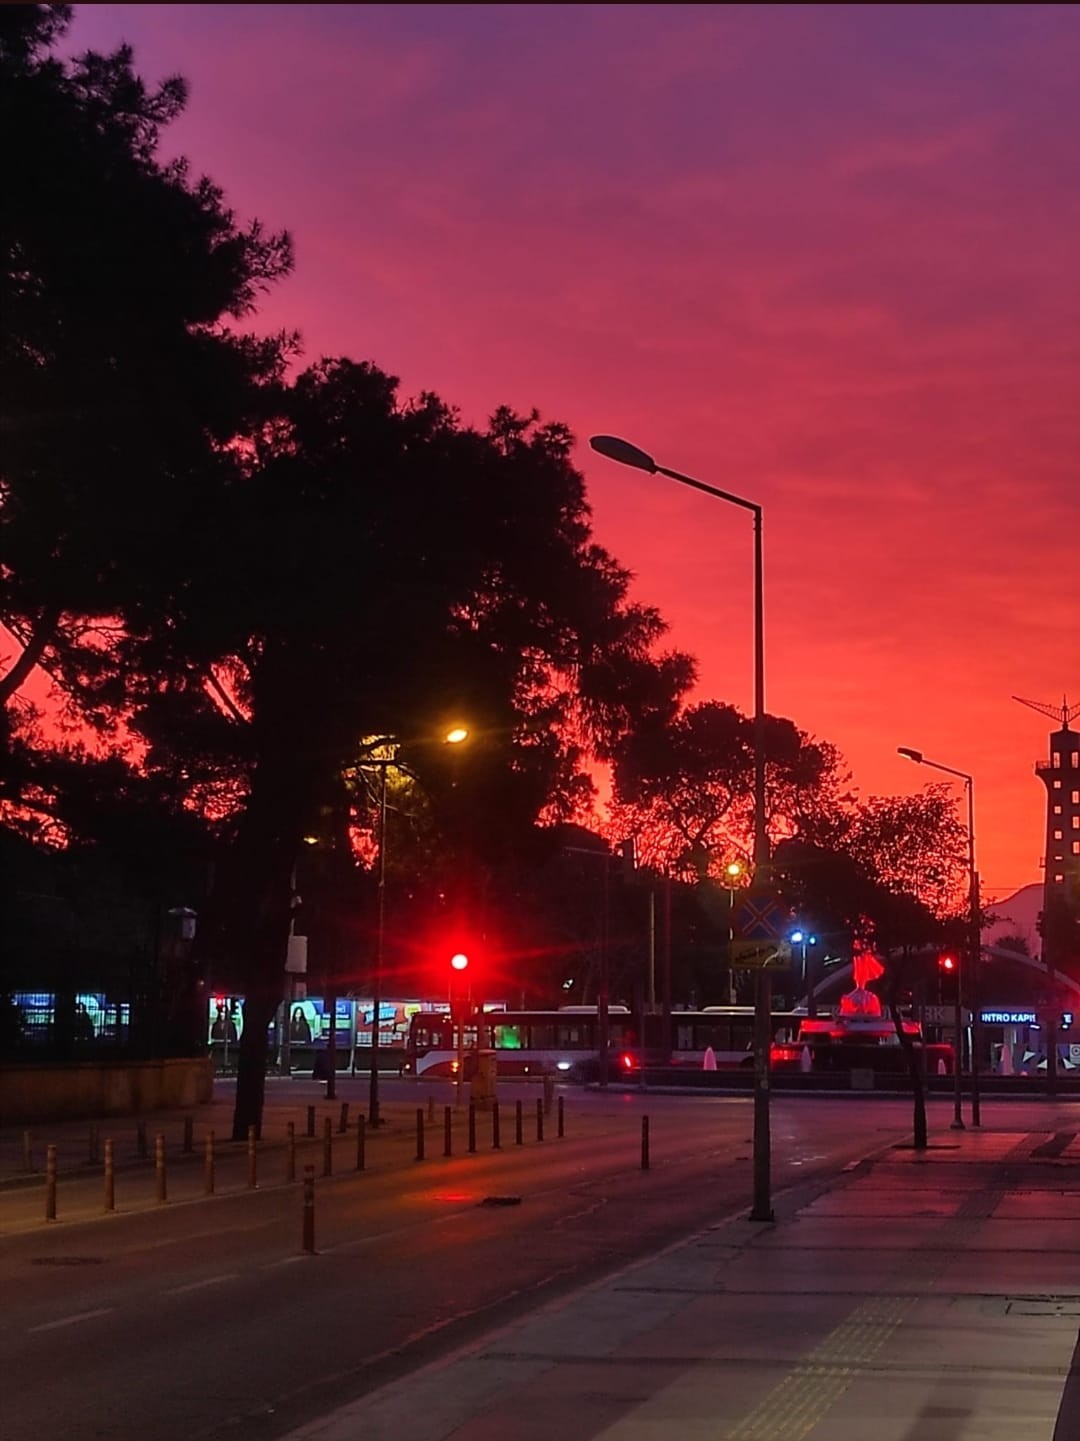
[[204, 1319]]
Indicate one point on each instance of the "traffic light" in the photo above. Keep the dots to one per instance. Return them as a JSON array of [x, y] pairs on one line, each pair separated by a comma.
[[459, 984], [948, 977]]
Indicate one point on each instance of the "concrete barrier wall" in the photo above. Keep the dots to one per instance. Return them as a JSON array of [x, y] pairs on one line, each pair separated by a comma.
[[90, 1088]]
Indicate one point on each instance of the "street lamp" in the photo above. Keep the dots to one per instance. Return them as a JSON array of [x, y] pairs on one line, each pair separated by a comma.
[[626, 454], [454, 736], [974, 945], [802, 939]]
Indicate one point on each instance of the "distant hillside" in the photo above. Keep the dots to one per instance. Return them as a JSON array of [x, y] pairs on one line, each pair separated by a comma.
[[1018, 914]]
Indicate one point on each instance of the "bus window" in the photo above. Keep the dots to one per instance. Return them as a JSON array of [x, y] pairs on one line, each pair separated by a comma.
[[508, 1038]]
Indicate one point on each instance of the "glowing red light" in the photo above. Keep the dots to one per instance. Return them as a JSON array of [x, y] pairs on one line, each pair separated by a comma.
[[460, 961], [628, 1061], [948, 963]]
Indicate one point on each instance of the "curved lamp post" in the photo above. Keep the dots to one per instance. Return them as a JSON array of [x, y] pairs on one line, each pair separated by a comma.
[[626, 454], [974, 947]]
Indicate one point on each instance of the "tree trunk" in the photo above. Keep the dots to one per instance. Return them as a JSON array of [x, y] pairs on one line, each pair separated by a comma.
[[34, 649], [259, 1009], [259, 886], [914, 1058]]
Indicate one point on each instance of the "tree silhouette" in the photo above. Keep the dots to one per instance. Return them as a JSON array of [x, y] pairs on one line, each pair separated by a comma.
[[382, 570], [122, 381]]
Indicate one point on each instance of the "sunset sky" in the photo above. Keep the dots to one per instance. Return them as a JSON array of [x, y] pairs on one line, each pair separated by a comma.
[[826, 257]]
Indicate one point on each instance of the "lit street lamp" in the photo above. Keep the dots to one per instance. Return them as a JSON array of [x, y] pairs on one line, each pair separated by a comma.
[[626, 454], [974, 947]]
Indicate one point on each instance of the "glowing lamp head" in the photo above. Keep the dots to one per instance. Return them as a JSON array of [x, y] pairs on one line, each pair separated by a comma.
[[798, 936], [947, 963], [459, 961], [734, 869], [456, 734]]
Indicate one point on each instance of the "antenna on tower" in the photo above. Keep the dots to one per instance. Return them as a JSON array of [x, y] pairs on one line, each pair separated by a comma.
[[1065, 712]]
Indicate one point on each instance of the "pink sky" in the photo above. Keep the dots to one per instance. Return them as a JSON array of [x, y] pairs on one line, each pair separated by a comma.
[[821, 256]]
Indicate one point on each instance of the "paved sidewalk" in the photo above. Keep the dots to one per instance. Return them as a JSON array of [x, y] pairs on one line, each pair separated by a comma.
[[922, 1297]]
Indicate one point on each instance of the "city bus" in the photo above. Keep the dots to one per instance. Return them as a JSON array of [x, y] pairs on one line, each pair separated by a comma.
[[565, 1042]]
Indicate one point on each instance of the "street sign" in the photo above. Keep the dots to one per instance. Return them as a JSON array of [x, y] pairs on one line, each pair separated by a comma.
[[944, 1016], [747, 955], [759, 916]]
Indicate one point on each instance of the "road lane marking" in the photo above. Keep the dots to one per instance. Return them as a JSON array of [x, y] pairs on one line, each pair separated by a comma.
[[70, 1320], [199, 1285]]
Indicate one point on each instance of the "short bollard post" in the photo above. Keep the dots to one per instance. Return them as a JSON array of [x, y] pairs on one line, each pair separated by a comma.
[[140, 1139], [110, 1176], [496, 1139], [311, 1120], [343, 1120], [519, 1124], [189, 1135], [27, 1151], [644, 1143], [419, 1133], [208, 1165], [93, 1145], [472, 1128], [50, 1183], [327, 1148], [290, 1152], [159, 1168], [252, 1161], [361, 1142], [308, 1238], [539, 1119], [561, 1119], [448, 1131]]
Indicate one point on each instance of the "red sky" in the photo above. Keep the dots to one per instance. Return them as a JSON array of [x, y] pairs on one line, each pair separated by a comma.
[[821, 256]]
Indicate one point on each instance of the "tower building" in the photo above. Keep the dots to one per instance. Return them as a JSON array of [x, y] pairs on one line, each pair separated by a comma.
[[1061, 857]]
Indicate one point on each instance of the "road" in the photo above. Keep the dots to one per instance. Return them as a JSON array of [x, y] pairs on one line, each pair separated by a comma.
[[204, 1319]]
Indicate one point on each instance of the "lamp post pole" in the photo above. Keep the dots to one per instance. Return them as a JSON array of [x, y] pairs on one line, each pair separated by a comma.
[[974, 952], [380, 932], [626, 454]]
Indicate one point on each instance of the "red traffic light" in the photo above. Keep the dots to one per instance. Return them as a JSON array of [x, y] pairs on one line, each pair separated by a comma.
[[947, 963], [459, 961]]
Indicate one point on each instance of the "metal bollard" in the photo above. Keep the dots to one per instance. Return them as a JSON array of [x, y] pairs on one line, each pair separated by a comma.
[[159, 1168], [644, 1143], [308, 1230], [208, 1165], [496, 1139], [93, 1143], [140, 1139], [448, 1131], [50, 1183], [561, 1120], [539, 1119], [189, 1135], [311, 1120], [361, 1142], [290, 1152], [327, 1148], [343, 1119], [252, 1163], [419, 1133], [110, 1176], [27, 1151], [472, 1128], [519, 1125]]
